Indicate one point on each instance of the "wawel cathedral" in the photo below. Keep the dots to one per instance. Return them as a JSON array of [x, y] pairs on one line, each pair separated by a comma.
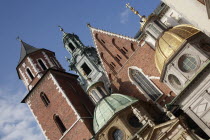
[[155, 86]]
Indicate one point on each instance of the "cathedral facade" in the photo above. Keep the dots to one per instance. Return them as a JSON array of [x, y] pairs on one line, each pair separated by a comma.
[[126, 88]]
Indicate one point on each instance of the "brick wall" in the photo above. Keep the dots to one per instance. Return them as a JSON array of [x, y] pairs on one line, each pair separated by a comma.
[[138, 54], [59, 105]]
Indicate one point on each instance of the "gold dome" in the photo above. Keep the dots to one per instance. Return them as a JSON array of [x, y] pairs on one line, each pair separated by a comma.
[[170, 42]]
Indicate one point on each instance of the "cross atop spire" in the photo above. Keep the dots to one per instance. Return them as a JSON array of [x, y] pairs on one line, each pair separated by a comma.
[[133, 10], [61, 29], [143, 18], [25, 49], [18, 38]]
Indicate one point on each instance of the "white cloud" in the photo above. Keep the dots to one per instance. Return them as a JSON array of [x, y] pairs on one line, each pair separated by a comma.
[[16, 120], [124, 16]]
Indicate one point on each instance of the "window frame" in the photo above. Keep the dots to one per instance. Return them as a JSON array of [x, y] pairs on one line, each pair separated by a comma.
[[40, 59], [59, 123], [84, 70], [28, 74], [139, 87], [45, 99]]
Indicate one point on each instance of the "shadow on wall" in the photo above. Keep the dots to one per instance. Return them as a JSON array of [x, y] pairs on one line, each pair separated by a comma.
[[127, 88]]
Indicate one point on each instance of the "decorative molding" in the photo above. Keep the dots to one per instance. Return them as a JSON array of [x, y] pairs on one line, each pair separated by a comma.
[[33, 65], [43, 131], [139, 88], [113, 34], [25, 80], [153, 77], [98, 53], [60, 90], [24, 65], [48, 59]]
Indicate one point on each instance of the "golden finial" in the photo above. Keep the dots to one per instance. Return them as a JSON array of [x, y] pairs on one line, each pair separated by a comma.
[[143, 18], [133, 10], [18, 38]]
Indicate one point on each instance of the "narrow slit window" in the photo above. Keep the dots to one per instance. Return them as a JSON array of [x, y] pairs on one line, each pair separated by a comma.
[[132, 47], [125, 49], [113, 64], [30, 74], [59, 124], [86, 69], [45, 99], [102, 41], [119, 56], [117, 59], [42, 64]]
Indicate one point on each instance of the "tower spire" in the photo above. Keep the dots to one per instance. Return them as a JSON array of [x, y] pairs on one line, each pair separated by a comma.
[[61, 29], [18, 38], [143, 18]]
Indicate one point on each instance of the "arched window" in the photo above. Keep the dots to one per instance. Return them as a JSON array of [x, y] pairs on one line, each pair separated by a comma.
[[71, 46], [44, 98], [30, 74], [86, 69], [144, 84], [42, 64], [59, 124]]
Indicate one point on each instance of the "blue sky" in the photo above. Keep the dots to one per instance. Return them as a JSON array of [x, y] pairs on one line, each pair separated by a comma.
[[36, 23]]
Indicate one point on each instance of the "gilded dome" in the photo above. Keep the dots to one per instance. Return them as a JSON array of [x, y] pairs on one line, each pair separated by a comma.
[[108, 107], [170, 42]]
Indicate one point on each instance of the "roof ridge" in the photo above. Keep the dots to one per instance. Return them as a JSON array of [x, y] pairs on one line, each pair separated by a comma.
[[112, 34], [26, 49]]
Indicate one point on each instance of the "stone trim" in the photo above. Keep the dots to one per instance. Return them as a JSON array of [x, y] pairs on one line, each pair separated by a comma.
[[43, 131], [48, 59], [94, 40], [60, 90], [33, 65], [138, 87], [112, 34], [25, 80]]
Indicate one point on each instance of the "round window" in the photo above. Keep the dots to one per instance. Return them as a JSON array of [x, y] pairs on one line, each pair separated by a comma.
[[174, 81], [187, 63], [134, 121], [117, 134]]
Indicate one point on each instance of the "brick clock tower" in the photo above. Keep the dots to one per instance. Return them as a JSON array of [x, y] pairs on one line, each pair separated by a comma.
[[54, 96]]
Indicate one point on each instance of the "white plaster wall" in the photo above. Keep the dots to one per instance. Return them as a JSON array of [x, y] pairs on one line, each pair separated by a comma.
[[172, 18], [193, 11]]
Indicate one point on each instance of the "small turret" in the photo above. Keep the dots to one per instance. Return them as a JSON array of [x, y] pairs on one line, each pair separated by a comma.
[[84, 61], [34, 62]]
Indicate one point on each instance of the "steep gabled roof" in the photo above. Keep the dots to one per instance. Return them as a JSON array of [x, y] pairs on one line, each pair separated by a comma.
[[25, 50]]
